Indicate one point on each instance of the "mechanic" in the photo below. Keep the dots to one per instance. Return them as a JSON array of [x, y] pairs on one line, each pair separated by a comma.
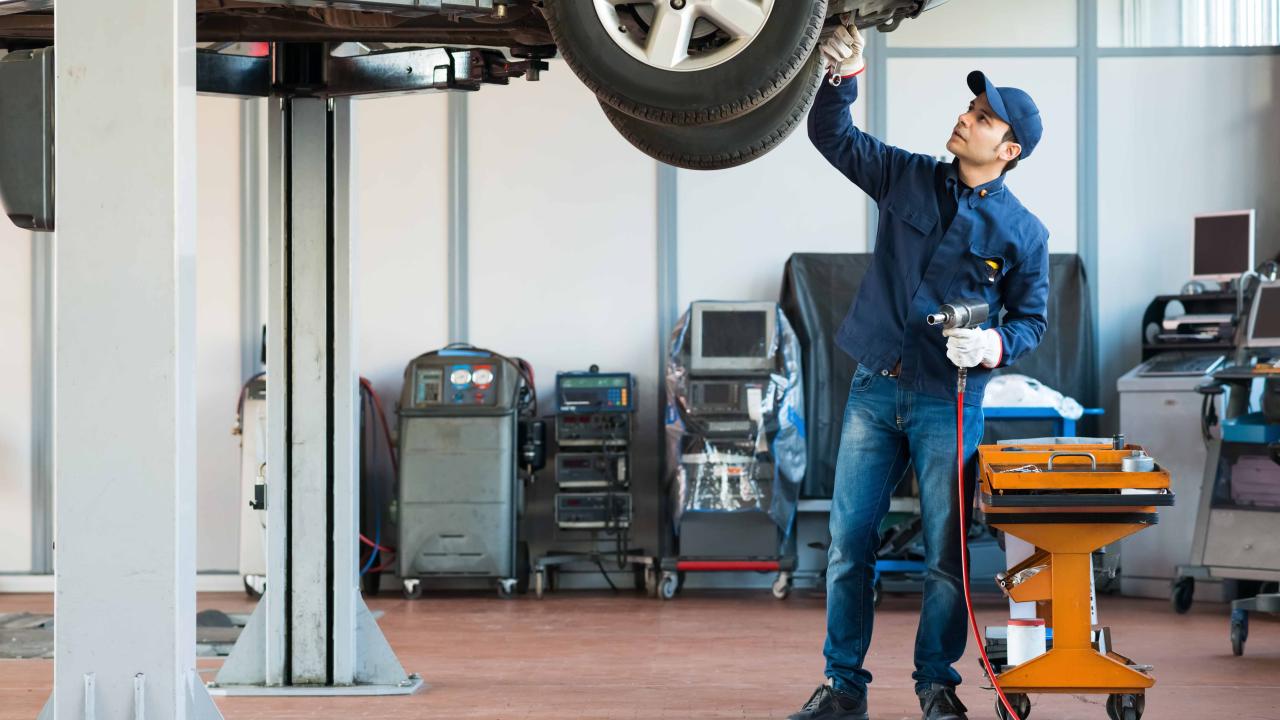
[[948, 231]]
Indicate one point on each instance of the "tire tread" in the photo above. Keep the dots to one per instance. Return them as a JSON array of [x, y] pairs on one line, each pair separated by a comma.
[[705, 116], [633, 131]]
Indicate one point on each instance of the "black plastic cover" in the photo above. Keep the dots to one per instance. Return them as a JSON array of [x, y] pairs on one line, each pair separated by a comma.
[[817, 289]]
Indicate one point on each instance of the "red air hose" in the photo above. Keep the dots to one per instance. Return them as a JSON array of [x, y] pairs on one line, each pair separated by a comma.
[[964, 548]]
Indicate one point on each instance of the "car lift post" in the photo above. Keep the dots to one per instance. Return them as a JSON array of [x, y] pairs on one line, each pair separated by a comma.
[[125, 403], [312, 633], [126, 361]]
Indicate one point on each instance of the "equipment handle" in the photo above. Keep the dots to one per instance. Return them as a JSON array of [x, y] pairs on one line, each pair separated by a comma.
[[1093, 461]]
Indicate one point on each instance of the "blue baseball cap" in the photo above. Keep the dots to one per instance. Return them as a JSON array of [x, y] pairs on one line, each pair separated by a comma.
[[1014, 106]]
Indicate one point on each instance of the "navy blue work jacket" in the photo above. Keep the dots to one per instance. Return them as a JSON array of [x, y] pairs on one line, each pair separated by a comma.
[[938, 241]]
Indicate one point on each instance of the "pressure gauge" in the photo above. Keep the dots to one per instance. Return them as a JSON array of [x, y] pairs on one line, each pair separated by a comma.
[[460, 376], [483, 376]]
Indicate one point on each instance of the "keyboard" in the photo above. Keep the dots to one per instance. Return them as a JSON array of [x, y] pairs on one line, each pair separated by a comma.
[[1177, 365]]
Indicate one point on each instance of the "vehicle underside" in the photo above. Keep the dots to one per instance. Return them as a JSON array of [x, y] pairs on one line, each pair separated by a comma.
[[491, 23], [699, 84]]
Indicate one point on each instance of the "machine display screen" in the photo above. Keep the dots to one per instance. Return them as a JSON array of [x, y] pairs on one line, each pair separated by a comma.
[[428, 389], [734, 334], [1223, 245], [718, 393], [1266, 319]]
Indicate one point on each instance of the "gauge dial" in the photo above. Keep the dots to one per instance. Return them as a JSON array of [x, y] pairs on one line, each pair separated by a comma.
[[460, 376]]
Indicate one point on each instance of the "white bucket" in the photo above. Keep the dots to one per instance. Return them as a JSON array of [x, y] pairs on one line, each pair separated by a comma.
[[1026, 640]]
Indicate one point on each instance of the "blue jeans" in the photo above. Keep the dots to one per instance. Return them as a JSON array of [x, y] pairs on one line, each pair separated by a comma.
[[885, 428]]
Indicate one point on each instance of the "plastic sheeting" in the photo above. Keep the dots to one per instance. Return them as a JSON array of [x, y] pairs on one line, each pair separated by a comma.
[[1013, 390], [817, 289], [761, 471]]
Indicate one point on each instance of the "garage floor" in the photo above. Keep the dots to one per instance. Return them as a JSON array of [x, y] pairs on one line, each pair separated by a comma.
[[709, 655]]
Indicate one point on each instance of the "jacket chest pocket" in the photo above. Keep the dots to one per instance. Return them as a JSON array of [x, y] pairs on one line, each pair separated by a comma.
[[978, 275], [911, 217]]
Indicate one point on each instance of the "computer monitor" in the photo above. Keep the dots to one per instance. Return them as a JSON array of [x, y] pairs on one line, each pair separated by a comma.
[[732, 337], [1222, 248], [1264, 317]]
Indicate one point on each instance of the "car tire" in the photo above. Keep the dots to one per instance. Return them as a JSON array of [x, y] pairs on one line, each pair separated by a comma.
[[730, 143], [745, 81]]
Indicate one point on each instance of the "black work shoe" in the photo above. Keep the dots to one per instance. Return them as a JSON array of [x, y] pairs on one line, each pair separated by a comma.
[[827, 703], [939, 702]]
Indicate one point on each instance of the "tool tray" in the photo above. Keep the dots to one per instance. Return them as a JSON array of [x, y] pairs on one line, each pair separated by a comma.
[[1085, 479]]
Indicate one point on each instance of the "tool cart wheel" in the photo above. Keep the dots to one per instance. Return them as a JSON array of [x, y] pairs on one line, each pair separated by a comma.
[[877, 593], [782, 585], [1184, 589], [507, 588], [412, 589], [539, 583], [650, 581], [1239, 631], [1021, 704], [1126, 707], [670, 584]]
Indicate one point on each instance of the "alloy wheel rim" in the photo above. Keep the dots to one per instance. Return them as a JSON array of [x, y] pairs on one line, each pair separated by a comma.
[[683, 35]]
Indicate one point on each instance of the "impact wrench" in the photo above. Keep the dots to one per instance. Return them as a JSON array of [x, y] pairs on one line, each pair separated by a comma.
[[968, 313]]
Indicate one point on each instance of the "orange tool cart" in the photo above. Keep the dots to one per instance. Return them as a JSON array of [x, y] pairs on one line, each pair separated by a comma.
[[1068, 501]]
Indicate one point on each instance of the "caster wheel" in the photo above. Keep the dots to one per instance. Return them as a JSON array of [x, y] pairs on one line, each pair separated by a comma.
[[1239, 634], [782, 586], [507, 588], [1184, 589], [254, 585], [669, 585], [1021, 705], [1126, 707], [877, 593], [539, 583], [650, 581], [412, 589]]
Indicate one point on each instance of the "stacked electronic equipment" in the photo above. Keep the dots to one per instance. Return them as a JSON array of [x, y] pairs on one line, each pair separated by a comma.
[[594, 426], [735, 452], [469, 441]]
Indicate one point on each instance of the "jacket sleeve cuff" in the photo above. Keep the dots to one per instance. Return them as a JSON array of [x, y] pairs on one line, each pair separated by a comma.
[[995, 350]]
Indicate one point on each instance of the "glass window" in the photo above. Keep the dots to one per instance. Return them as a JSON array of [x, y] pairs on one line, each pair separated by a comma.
[[990, 23], [1188, 23]]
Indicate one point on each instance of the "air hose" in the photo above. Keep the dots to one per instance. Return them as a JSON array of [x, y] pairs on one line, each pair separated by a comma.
[[961, 379]]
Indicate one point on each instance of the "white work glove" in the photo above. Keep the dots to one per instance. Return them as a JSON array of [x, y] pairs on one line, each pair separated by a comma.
[[842, 52], [969, 347]]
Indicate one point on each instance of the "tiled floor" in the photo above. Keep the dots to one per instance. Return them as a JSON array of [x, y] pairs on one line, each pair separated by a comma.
[[711, 656]]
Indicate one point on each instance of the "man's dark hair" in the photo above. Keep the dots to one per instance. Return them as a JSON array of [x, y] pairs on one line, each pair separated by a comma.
[[1010, 137]]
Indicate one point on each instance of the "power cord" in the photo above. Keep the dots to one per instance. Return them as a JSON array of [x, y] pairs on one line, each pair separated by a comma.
[[964, 544]]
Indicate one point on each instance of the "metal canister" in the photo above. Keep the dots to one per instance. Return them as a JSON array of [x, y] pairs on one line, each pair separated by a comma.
[[1138, 461]]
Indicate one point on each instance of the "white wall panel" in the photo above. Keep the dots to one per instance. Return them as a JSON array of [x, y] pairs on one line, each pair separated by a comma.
[[402, 242], [15, 391], [991, 23], [562, 254], [737, 227], [217, 332], [927, 95], [1178, 136]]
